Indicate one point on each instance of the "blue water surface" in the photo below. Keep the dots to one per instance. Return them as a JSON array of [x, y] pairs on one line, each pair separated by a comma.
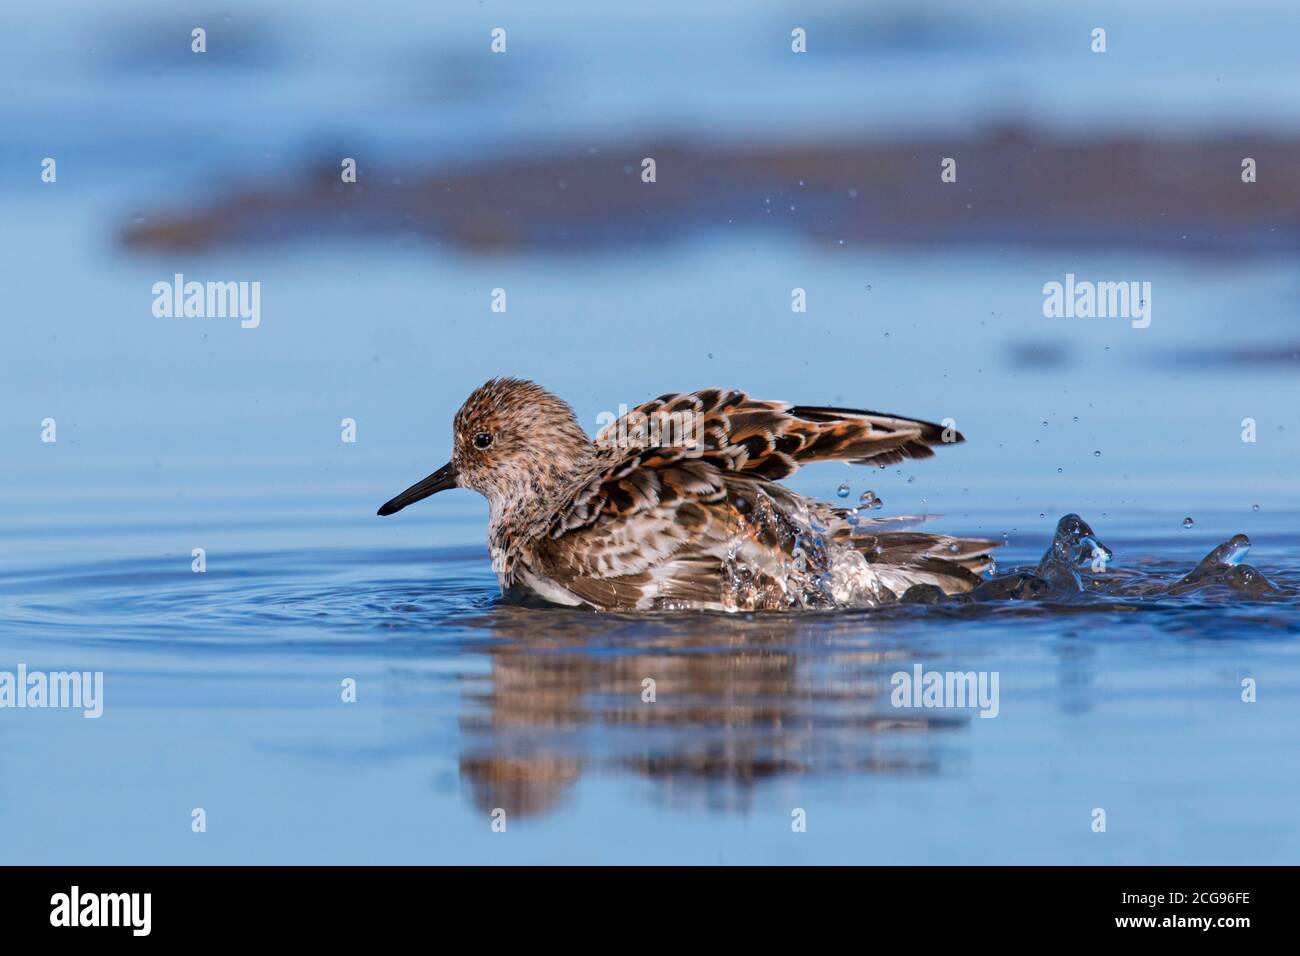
[[223, 690]]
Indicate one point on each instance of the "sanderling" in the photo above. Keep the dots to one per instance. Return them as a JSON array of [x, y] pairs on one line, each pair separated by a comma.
[[689, 516]]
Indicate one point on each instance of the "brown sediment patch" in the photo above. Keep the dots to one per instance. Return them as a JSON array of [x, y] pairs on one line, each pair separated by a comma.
[[1285, 354], [1014, 187]]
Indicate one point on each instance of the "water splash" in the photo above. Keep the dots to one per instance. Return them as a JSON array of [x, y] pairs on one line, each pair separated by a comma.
[[1223, 567], [820, 573], [1074, 545], [818, 568], [1076, 550]]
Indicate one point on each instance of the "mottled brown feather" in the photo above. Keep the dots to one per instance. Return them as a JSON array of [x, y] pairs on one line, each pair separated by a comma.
[[621, 525]]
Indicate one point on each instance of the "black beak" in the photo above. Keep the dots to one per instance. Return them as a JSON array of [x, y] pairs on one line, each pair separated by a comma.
[[440, 480]]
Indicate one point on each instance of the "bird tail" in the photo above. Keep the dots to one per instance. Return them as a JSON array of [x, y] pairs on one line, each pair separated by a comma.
[[905, 558]]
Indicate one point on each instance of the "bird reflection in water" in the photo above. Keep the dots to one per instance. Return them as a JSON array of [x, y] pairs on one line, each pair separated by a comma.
[[738, 700]]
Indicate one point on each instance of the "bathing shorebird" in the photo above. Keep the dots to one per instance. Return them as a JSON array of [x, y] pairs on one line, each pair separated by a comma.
[[676, 504]]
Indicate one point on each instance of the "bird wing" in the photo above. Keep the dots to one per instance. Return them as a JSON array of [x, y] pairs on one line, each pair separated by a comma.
[[678, 476], [646, 531], [770, 439]]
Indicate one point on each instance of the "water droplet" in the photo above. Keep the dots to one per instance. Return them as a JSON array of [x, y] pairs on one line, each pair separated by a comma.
[[1254, 507], [843, 490], [1060, 471], [1096, 454], [867, 497], [1076, 418], [1188, 522], [1044, 424]]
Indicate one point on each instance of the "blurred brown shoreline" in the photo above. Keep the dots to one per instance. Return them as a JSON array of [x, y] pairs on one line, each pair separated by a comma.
[[1014, 186]]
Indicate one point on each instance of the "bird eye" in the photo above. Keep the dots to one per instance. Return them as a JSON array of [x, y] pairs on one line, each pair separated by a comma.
[[482, 440]]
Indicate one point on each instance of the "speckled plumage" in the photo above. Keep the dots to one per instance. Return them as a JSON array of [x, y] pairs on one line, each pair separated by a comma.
[[692, 517]]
